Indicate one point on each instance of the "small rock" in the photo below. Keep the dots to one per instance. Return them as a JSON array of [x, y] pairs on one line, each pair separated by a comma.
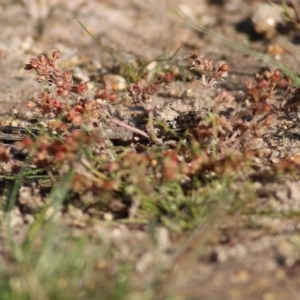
[[266, 17], [116, 82]]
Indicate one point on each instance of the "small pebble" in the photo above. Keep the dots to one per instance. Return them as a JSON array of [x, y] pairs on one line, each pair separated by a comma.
[[116, 82]]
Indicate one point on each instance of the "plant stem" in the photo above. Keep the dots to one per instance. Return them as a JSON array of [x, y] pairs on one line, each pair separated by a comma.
[[126, 126]]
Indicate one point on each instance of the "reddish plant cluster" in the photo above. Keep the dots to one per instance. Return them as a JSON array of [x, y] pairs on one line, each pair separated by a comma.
[[215, 135], [49, 104], [223, 131], [84, 111], [206, 67], [46, 150], [265, 86], [49, 74], [73, 152], [144, 96]]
